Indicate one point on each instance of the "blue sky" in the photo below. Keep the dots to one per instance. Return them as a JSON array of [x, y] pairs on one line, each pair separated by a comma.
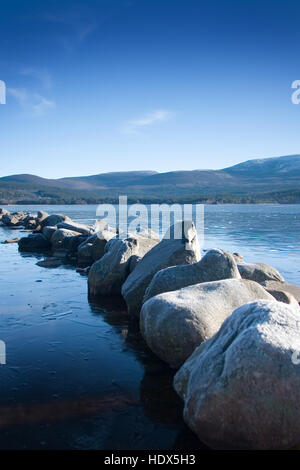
[[114, 85]]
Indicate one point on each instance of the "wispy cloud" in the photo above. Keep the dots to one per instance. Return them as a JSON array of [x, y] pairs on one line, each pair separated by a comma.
[[79, 23], [38, 73], [42, 105], [135, 125], [20, 94], [33, 103]]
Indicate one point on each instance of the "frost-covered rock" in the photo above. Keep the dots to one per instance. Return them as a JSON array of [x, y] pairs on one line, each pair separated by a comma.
[[175, 323], [214, 266], [170, 251], [259, 272], [241, 388]]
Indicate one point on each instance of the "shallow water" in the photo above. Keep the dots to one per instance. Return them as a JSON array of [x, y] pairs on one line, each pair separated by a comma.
[[78, 375]]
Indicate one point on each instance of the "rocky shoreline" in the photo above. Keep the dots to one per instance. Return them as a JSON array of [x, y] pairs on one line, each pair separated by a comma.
[[229, 328]]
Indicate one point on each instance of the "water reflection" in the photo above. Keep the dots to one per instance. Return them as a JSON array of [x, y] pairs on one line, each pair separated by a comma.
[[159, 401]]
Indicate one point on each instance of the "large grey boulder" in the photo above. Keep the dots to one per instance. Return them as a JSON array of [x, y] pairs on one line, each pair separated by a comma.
[[276, 288], [170, 251], [102, 237], [85, 253], [34, 243], [58, 237], [259, 272], [241, 388], [76, 227], [72, 243], [175, 323], [93, 248], [13, 220], [48, 232], [214, 266], [107, 275], [55, 219]]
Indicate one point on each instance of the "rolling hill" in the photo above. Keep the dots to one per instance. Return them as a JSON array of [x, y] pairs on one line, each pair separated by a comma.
[[262, 180]]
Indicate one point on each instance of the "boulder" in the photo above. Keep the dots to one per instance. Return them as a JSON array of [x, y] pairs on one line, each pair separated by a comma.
[[41, 215], [241, 388], [58, 237], [175, 323], [107, 275], [76, 227], [238, 257], [72, 243], [3, 211], [259, 272], [100, 241], [283, 296], [93, 248], [31, 223], [169, 252], [54, 219], [85, 254], [34, 243], [48, 231], [214, 266], [276, 288], [12, 220]]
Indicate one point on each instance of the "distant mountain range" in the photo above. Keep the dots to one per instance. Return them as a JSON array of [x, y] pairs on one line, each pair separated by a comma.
[[261, 180]]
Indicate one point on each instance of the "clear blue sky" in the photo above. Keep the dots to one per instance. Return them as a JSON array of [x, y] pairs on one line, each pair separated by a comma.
[[110, 85]]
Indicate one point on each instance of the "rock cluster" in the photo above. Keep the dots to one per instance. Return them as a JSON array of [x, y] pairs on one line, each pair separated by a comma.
[[232, 328]]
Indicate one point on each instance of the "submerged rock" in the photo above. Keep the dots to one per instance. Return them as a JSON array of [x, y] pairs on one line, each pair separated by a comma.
[[14, 240], [259, 272], [169, 252], [49, 263], [175, 323], [241, 388], [214, 266]]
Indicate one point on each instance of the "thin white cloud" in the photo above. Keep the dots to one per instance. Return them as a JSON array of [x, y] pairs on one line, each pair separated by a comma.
[[80, 21], [135, 125], [42, 105], [33, 103], [20, 94], [38, 73]]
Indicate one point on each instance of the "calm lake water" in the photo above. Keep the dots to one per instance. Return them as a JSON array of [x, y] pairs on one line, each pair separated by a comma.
[[78, 374]]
